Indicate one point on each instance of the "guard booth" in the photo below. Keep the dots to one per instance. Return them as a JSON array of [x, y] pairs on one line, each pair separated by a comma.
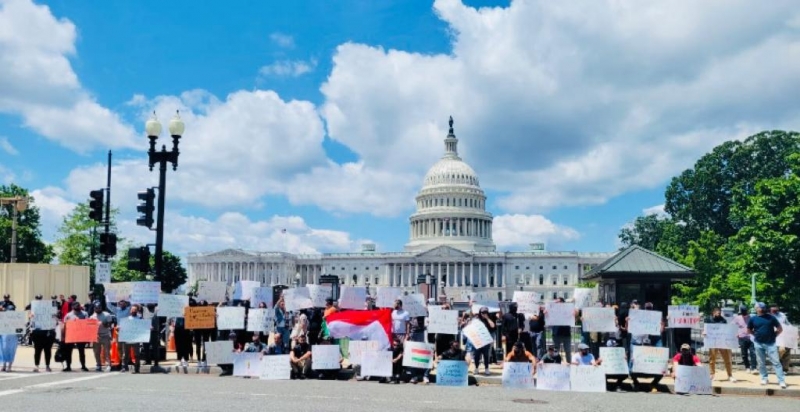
[[332, 280]]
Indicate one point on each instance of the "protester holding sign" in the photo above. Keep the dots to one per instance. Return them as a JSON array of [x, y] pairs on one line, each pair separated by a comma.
[[562, 334], [483, 317], [103, 345], [519, 354], [784, 352], [716, 318], [8, 342], [129, 351], [685, 358], [74, 315], [43, 316]]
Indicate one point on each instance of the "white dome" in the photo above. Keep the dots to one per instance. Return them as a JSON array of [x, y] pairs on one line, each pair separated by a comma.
[[450, 171]]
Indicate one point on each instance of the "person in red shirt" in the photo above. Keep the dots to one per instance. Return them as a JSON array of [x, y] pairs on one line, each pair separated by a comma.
[[685, 358]]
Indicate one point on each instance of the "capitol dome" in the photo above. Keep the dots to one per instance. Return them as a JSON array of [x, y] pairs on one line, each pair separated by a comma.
[[451, 206]]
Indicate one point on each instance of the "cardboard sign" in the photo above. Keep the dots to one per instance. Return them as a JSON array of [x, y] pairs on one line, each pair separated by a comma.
[[359, 347], [587, 379], [649, 359], [693, 379], [243, 289], [387, 296], [443, 321], [559, 314], [527, 302], [787, 338], [683, 317], [353, 297], [614, 361], [261, 294], [552, 377], [102, 272], [325, 357], [230, 318], [44, 314], [276, 367], [134, 330], [417, 355], [81, 331], [11, 321], [261, 320], [720, 336], [247, 364], [518, 375], [320, 293], [451, 373], [414, 304], [582, 297], [376, 363], [212, 292], [644, 322], [297, 299], [219, 352], [598, 319], [145, 292], [200, 317], [116, 292], [477, 334], [171, 306]]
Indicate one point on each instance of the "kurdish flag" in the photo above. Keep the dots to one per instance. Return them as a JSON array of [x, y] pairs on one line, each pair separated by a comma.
[[362, 325], [417, 355]]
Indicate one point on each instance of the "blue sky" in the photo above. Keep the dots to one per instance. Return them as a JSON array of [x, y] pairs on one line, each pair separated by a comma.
[[322, 117]]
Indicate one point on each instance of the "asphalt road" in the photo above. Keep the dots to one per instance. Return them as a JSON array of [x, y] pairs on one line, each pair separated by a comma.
[[83, 392]]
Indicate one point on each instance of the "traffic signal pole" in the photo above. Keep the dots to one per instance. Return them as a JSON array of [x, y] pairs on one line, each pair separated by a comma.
[[104, 257]]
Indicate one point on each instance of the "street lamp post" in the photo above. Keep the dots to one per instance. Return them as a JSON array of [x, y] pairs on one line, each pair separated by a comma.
[[18, 204]]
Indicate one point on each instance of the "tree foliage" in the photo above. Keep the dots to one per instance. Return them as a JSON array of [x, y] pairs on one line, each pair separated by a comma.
[[646, 231], [30, 246], [174, 274]]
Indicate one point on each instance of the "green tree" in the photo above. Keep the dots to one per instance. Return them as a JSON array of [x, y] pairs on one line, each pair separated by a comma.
[[75, 241], [646, 231], [30, 246], [174, 274]]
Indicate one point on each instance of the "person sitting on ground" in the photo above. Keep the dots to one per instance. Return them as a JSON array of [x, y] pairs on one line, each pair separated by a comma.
[[551, 356], [685, 358], [277, 347], [227, 368], [519, 354], [583, 357], [619, 378], [256, 346], [300, 358]]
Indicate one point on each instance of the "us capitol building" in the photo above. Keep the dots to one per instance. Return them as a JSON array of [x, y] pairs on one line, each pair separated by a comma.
[[450, 239]]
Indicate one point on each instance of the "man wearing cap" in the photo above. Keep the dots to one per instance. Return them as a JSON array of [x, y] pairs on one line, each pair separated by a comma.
[[583, 357], [745, 340], [551, 356], [103, 345], [75, 314], [765, 328]]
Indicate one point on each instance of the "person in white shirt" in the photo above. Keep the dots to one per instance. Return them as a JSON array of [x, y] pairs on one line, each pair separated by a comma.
[[784, 353], [583, 357], [401, 321]]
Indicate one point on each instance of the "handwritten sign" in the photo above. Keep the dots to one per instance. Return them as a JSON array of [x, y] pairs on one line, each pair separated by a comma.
[[527, 302], [230, 318], [693, 379], [261, 320], [387, 296], [134, 330], [145, 292], [720, 336], [200, 317], [787, 338], [683, 316], [247, 364], [614, 361], [353, 297], [478, 334], [451, 373], [598, 319], [81, 331], [320, 293], [325, 357], [414, 304], [443, 321], [649, 359], [220, 352], [102, 272], [116, 292], [582, 297], [261, 294], [560, 314], [518, 375], [243, 289], [376, 363], [44, 314], [552, 377], [297, 299], [417, 355], [587, 379], [11, 321], [212, 292], [171, 306], [644, 322], [276, 367], [359, 347]]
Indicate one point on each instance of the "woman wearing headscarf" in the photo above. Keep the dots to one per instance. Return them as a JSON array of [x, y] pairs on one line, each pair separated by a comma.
[[8, 343]]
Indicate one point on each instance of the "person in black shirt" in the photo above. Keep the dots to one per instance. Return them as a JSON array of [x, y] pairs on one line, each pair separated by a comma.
[[551, 356], [453, 353], [483, 316], [300, 358], [538, 337], [513, 323]]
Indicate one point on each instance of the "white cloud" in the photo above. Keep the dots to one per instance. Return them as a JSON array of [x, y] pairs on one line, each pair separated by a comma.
[[657, 210], [7, 147], [283, 40], [288, 68], [54, 206], [518, 231]]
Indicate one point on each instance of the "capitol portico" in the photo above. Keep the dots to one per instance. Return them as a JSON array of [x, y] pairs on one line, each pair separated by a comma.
[[450, 239]]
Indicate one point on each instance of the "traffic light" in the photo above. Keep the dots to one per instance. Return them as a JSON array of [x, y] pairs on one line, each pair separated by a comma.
[[96, 205], [139, 259], [146, 208], [108, 244]]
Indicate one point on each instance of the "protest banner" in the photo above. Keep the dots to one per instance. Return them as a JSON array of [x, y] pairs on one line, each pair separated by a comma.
[[359, 347], [297, 299], [81, 331], [261, 320], [243, 289], [582, 297], [145, 292], [598, 319], [518, 375], [387, 296], [171, 306], [693, 379], [552, 377], [44, 314], [527, 302], [477, 333], [325, 357], [247, 364], [261, 294], [276, 367], [414, 304], [443, 321], [353, 297], [11, 321], [649, 359], [417, 355], [559, 314], [683, 316], [230, 318], [376, 363], [787, 338], [219, 352], [212, 292], [116, 292], [102, 272], [451, 373], [644, 322], [587, 379], [319, 294], [199, 317], [134, 330], [720, 336], [614, 361]]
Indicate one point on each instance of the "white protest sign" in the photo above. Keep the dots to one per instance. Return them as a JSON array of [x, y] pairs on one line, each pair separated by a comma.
[[683, 316], [443, 321], [649, 359], [518, 375], [587, 379], [171, 306], [387, 296], [325, 357], [102, 272], [527, 302], [261, 294], [320, 293], [693, 379], [414, 304], [417, 355], [116, 292], [145, 292], [359, 347], [11, 320], [582, 297], [243, 289], [552, 377], [230, 318], [451, 373], [485, 298], [353, 297], [720, 336], [598, 319], [261, 320], [478, 334], [787, 338], [376, 363], [644, 322], [614, 361], [212, 292], [559, 314], [44, 314], [247, 364], [297, 299], [276, 367], [134, 330], [219, 352]]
